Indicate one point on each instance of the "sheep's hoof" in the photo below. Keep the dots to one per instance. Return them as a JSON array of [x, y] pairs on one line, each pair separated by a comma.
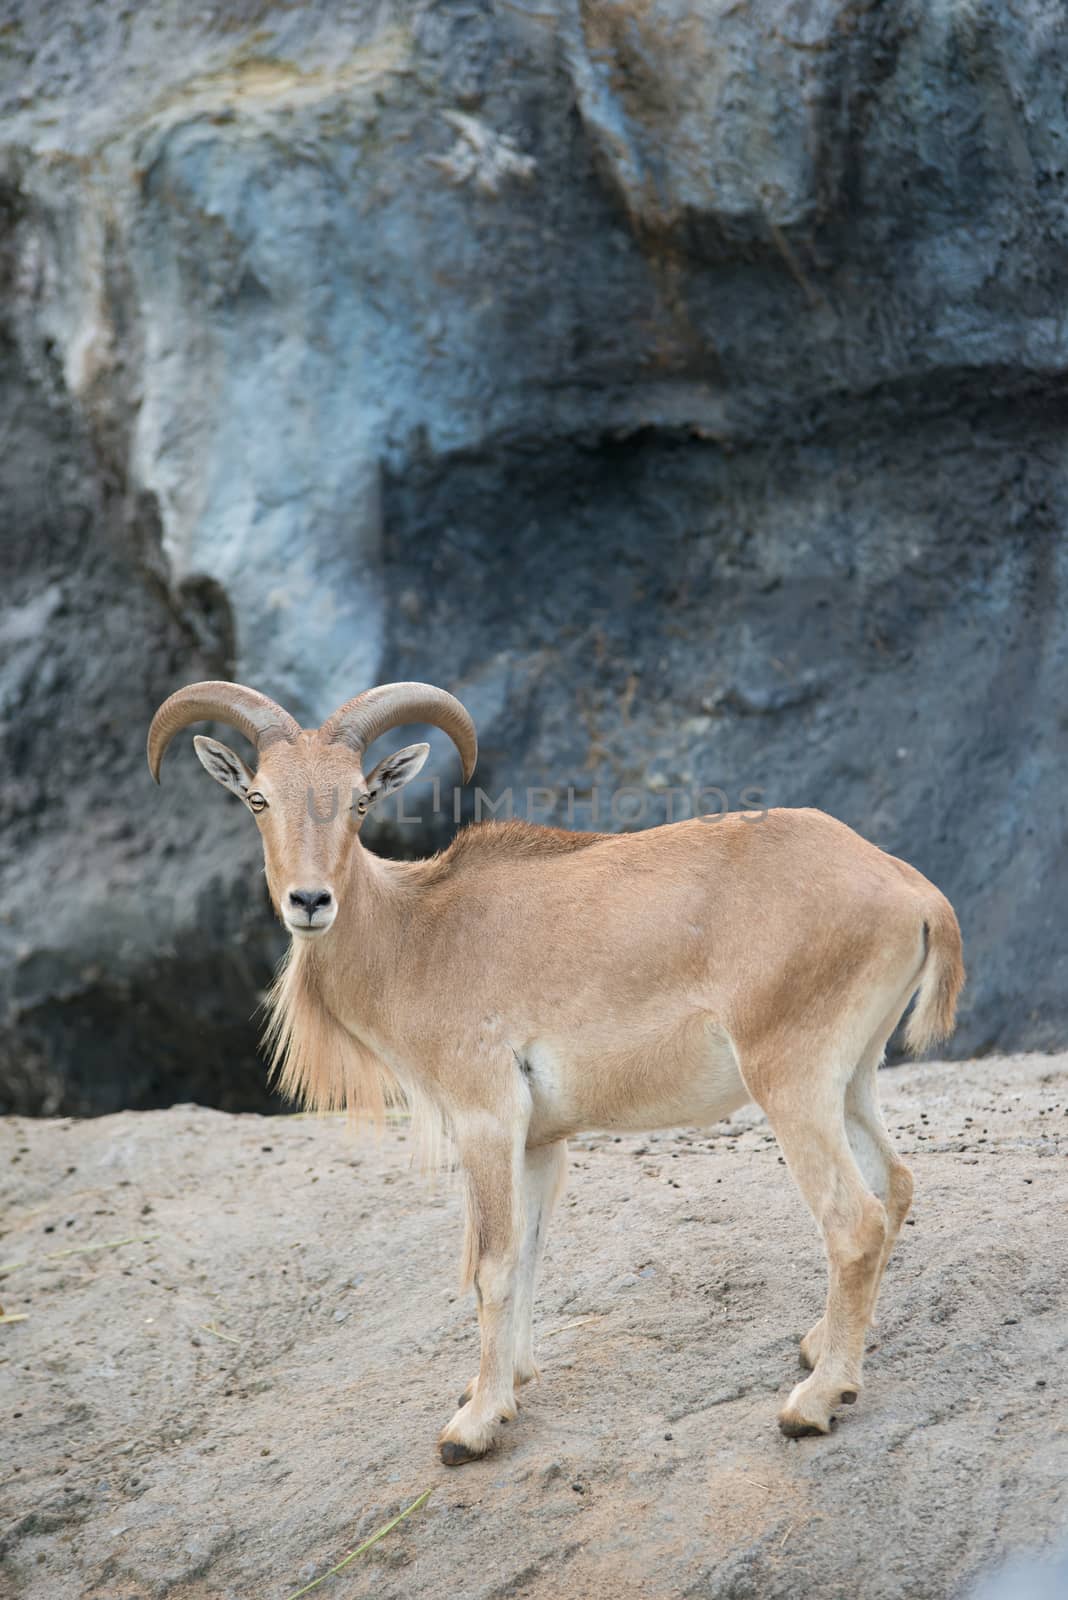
[[456, 1455], [795, 1428]]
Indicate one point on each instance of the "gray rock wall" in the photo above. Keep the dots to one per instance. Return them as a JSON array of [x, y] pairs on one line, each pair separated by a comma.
[[680, 383]]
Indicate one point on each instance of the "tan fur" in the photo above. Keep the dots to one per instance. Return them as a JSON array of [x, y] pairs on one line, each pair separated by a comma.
[[934, 1015], [527, 984], [505, 841], [312, 1058], [323, 1067], [472, 1236]]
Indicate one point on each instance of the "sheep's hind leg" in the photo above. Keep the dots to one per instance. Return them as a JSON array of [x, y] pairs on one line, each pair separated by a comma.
[[885, 1174], [807, 1118]]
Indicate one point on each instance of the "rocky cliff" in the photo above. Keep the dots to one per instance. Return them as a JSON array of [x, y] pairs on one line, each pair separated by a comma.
[[682, 384]]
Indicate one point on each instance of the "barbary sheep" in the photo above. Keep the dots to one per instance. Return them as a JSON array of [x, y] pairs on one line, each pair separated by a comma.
[[529, 983]]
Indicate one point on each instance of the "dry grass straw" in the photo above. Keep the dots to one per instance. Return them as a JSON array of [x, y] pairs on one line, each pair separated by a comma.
[[581, 1322], [210, 1327], [78, 1250], [380, 1533]]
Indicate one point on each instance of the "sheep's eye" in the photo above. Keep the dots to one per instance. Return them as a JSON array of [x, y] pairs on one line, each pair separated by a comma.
[[361, 805], [256, 801]]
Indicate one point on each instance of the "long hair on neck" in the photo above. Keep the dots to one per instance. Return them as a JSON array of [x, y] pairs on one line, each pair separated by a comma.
[[312, 1058], [316, 1061]]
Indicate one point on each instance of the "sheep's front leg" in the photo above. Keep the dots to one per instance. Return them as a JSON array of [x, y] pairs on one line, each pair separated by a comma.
[[544, 1171], [493, 1163]]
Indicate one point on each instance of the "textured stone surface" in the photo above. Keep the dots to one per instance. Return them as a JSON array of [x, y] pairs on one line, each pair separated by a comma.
[[681, 384]]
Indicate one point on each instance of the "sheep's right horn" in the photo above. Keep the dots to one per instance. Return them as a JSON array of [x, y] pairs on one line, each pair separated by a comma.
[[246, 710]]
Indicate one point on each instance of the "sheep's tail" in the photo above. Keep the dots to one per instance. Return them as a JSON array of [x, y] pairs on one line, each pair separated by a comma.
[[941, 978]]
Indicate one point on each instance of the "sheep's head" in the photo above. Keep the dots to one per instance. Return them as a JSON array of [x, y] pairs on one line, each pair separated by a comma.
[[309, 795]]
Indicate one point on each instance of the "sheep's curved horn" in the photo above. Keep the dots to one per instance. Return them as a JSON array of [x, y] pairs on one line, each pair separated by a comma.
[[358, 723], [246, 710]]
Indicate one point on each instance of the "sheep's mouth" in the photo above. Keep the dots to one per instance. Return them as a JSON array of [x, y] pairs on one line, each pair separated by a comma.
[[308, 930]]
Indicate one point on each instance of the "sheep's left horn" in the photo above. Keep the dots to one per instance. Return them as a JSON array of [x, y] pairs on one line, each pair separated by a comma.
[[358, 723], [251, 713]]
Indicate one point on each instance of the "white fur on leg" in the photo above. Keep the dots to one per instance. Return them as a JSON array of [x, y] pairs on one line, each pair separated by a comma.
[[544, 1171], [473, 1428]]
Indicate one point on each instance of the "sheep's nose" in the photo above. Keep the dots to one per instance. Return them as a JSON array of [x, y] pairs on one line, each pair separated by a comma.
[[310, 900]]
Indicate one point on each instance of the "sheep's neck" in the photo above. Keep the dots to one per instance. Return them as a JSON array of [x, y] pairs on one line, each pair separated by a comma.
[[354, 967]]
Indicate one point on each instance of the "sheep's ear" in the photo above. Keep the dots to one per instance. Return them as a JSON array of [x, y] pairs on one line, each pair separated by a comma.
[[220, 763], [396, 770]]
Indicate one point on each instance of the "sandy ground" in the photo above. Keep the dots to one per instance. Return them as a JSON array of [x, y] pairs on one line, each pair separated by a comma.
[[222, 1411]]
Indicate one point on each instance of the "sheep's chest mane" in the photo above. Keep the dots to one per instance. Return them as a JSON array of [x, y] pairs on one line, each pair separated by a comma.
[[313, 1058]]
